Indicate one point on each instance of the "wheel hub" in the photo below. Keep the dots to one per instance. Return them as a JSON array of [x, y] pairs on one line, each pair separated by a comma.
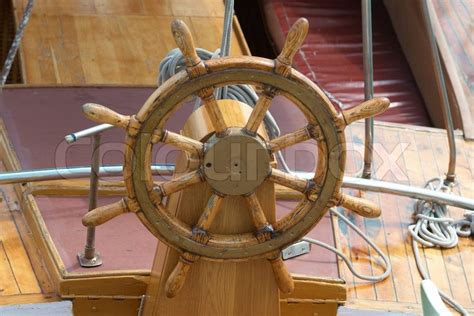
[[237, 163]]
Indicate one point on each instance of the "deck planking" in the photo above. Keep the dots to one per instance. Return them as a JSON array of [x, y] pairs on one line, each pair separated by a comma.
[[21, 273], [113, 42], [425, 157]]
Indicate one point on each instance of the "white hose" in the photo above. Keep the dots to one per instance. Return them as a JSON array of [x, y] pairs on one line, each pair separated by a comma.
[[372, 278]]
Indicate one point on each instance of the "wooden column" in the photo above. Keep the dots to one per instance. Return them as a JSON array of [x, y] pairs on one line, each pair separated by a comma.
[[216, 288]]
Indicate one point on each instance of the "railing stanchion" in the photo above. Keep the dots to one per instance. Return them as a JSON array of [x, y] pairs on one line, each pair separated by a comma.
[[90, 257], [368, 85], [441, 83]]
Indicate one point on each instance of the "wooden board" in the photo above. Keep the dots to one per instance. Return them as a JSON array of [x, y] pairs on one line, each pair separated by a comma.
[[113, 42]]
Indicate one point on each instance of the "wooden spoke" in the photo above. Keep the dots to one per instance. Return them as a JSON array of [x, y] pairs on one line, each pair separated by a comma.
[[258, 217], [104, 213], [184, 40], [294, 39], [176, 279], [184, 143], [289, 180], [210, 212], [195, 67], [283, 277], [366, 109], [289, 139], [264, 229], [258, 112], [180, 183], [101, 114], [360, 206], [213, 110]]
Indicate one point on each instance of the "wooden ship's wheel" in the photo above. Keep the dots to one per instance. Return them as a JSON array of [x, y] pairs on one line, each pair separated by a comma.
[[229, 171]]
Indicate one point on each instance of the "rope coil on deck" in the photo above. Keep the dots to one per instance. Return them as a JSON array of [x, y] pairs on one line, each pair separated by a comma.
[[433, 228]]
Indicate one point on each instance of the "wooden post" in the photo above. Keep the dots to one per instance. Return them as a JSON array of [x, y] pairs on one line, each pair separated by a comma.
[[216, 288]]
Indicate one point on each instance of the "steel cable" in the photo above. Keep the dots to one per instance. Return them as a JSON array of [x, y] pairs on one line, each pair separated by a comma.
[[16, 43]]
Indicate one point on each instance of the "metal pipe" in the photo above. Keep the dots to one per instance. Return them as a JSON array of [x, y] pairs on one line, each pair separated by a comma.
[[90, 258], [94, 130], [368, 85], [168, 169], [401, 190], [408, 191], [72, 173], [440, 82]]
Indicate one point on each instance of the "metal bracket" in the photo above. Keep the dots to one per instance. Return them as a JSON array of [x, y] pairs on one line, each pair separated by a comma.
[[95, 261], [297, 249]]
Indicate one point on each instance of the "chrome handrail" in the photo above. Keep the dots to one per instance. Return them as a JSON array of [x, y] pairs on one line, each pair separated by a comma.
[[441, 83], [368, 85], [168, 169]]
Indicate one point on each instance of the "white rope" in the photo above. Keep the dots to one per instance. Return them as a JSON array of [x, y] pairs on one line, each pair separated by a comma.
[[433, 228], [372, 278], [16, 43]]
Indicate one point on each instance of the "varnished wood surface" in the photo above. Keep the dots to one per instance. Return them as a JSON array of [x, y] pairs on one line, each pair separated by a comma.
[[425, 156], [452, 26], [22, 272], [113, 41]]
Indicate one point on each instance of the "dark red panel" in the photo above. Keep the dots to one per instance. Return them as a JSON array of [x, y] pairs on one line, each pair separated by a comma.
[[332, 54]]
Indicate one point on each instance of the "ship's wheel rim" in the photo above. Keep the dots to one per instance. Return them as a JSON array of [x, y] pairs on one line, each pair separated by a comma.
[[249, 70]]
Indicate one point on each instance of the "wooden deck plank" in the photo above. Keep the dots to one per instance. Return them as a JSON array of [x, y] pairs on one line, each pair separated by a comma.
[[343, 241], [466, 189], [113, 42], [15, 251], [8, 285], [389, 143], [10, 206], [27, 299], [406, 205], [358, 248], [208, 8], [434, 259], [379, 229]]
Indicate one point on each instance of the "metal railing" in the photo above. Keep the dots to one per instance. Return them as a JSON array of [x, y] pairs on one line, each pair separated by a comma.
[[369, 90], [167, 169], [368, 85], [441, 83], [90, 257]]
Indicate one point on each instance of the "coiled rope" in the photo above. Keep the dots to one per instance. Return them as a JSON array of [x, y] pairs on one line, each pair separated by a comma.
[[433, 228]]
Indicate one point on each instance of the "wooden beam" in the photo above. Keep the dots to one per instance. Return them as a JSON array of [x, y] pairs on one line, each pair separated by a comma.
[[80, 187]]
